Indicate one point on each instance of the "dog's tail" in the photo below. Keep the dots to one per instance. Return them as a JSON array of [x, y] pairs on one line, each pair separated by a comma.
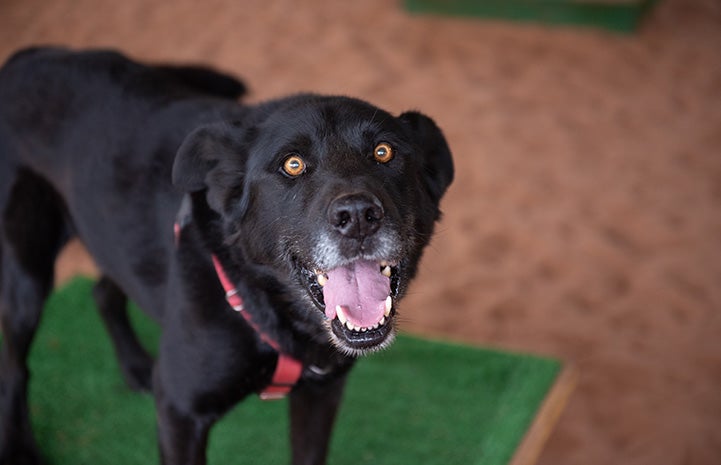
[[205, 80]]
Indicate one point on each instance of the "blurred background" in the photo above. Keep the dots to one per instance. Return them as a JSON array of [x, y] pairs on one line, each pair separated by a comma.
[[585, 219]]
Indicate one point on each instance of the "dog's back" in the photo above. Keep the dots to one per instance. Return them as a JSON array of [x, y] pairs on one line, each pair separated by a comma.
[[44, 89], [97, 133]]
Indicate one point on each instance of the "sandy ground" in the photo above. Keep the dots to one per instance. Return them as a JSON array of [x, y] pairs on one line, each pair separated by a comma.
[[584, 222]]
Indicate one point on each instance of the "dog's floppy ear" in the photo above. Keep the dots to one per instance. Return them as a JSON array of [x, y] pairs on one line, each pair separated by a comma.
[[437, 162], [211, 157]]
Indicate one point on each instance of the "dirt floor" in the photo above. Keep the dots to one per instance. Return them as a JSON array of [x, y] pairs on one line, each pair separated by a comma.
[[585, 220]]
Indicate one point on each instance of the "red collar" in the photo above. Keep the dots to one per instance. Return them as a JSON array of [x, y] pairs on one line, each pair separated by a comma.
[[288, 369]]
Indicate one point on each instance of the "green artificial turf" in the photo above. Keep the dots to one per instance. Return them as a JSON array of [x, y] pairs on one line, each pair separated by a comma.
[[615, 15], [419, 402]]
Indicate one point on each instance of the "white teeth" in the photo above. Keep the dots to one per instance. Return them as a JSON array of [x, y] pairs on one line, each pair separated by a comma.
[[341, 314], [386, 271], [359, 329], [343, 318], [322, 279]]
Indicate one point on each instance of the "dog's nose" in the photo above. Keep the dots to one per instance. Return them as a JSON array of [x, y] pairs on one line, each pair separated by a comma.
[[356, 215]]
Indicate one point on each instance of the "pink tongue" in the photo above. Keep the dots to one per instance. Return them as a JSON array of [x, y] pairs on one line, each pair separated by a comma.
[[361, 289]]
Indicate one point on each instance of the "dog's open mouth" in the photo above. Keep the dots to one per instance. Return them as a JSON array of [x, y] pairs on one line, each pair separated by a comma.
[[358, 300]]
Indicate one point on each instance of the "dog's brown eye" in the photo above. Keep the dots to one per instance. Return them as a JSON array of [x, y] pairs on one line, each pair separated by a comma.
[[294, 166], [383, 153]]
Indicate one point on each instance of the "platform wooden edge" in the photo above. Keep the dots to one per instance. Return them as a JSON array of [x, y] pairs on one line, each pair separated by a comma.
[[547, 417]]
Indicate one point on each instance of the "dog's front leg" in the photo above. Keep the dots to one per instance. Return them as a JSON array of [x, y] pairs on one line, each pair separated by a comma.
[[182, 436], [313, 410], [177, 384]]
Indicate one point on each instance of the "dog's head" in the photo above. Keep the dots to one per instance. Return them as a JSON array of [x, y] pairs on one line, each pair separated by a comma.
[[334, 194]]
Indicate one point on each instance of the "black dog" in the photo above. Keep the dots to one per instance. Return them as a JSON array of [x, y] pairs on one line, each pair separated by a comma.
[[271, 242]]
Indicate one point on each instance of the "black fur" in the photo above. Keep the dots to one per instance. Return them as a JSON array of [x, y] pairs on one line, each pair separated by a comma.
[[97, 146]]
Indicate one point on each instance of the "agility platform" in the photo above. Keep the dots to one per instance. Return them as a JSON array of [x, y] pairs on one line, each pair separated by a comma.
[[420, 401], [623, 16]]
